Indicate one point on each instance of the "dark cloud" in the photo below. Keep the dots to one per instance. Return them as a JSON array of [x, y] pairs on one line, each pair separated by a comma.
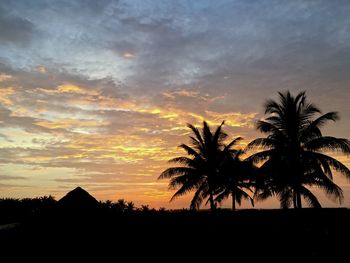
[[245, 47], [230, 46], [27, 123], [15, 29]]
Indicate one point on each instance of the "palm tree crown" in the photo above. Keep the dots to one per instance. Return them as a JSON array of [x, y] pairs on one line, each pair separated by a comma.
[[237, 176], [292, 158], [199, 171]]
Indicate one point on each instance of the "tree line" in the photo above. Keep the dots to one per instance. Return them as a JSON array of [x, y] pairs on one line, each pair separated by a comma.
[[288, 163], [15, 210]]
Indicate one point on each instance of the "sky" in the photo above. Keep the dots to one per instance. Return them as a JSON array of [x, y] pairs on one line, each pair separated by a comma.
[[97, 94]]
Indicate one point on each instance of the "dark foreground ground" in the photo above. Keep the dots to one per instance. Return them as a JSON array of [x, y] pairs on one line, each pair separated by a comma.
[[272, 235]]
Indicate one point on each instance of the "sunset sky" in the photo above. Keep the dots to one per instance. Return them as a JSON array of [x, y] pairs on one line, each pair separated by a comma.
[[97, 94]]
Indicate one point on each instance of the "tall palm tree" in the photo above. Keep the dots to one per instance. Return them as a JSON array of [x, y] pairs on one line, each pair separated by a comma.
[[199, 171], [292, 158], [237, 176]]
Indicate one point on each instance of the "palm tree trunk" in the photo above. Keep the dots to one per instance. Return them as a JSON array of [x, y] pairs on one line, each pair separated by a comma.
[[212, 203], [299, 200], [295, 199], [233, 201]]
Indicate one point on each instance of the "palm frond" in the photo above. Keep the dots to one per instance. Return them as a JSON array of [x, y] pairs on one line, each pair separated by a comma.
[[196, 144], [326, 168], [207, 135], [197, 133], [260, 156], [334, 163], [184, 189], [175, 171], [300, 98], [219, 135], [285, 198], [233, 142], [332, 190], [272, 107], [222, 196], [310, 198], [312, 129], [267, 127], [190, 150], [191, 163], [328, 143], [198, 197], [238, 155], [261, 142], [285, 100], [244, 195], [308, 110], [178, 181], [329, 116], [263, 193]]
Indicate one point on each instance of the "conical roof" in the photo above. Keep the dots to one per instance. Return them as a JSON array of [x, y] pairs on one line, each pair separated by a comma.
[[78, 198]]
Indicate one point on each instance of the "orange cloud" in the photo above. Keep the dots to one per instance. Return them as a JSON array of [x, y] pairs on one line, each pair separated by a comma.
[[190, 94], [5, 94], [234, 119], [69, 88]]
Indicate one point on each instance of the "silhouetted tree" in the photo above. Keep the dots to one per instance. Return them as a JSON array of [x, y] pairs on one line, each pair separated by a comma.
[[120, 206], [130, 206], [292, 158], [199, 171], [107, 204], [145, 208], [237, 176], [162, 209]]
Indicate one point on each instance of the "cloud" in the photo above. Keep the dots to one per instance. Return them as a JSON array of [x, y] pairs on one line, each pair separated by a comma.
[[9, 187], [58, 120], [7, 177], [9, 120], [5, 94], [227, 46], [15, 29], [129, 55], [4, 77]]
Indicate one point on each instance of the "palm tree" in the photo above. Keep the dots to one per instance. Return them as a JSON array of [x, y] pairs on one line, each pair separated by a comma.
[[130, 206], [237, 176], [199, 171], [292, 158]]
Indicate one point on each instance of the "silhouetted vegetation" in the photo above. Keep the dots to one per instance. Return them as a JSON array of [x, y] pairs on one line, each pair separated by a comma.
[[74, 203], [213, 169], [148, 234], [237, 176], [14, 210], [292, 158], [291, 161]]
